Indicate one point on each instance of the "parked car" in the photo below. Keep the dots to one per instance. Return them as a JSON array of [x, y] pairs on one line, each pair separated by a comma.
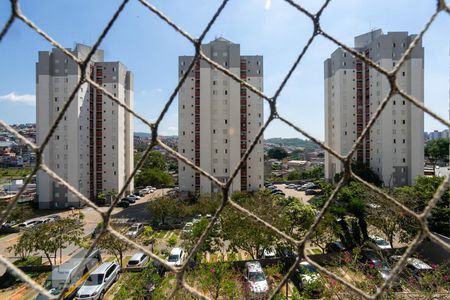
[[135, 230], [312, 192], [176, 257], [188, 227], [129, 200], [133, 197], [336, 247], [145, 191], [197, 219], [123, 203], [373, 262], [99, 281], [291, 186], [138, 260], [414, 267], [255, 280], [269, 253], [53, 218], [308, 185], [378, 243], [139, 193], [29, 224], [307, 275]]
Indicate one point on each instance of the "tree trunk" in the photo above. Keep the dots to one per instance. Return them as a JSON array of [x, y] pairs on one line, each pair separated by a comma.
[[49, 258]]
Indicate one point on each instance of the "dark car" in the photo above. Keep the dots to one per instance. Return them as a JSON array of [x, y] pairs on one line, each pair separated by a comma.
[[312, 192], [336, 247], [129, 200], [123, 203], [371, 261]]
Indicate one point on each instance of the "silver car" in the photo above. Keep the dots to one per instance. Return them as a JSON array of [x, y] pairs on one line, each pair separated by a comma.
[[138, 260], [99, 281]]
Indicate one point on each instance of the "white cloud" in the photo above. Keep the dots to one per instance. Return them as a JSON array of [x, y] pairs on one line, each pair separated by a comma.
[[172, 128], [268, 4], [16, 98]]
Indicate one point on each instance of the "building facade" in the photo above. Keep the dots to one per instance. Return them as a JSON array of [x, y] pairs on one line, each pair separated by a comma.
[[394, 147], [219, 119], [92, 147]]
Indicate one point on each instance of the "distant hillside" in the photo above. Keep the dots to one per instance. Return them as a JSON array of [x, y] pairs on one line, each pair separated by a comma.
[[295, 142], [147, 135], [142, 134]]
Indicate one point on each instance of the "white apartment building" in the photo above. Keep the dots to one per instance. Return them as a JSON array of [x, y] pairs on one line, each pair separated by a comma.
[[92, 147], [394, 147], [218, 119]]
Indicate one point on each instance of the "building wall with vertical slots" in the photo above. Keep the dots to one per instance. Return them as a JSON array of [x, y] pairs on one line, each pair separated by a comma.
[[393, 147], [87, 149], [225, 122]]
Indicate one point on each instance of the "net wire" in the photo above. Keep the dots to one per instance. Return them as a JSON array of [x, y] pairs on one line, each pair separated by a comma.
[[16, 15]]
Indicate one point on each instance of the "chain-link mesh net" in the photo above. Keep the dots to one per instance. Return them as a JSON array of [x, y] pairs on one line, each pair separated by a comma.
[[441, 8]]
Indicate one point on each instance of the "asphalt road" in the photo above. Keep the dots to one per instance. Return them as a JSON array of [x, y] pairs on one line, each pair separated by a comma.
[[91, 219]]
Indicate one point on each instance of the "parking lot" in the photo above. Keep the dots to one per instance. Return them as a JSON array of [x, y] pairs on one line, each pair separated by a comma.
[[294, 193]]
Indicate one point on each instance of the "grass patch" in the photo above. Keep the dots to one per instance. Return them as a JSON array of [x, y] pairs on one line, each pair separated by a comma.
[[29, 261], [14, 173]]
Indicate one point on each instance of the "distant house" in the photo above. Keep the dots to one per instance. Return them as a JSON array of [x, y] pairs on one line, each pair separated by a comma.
[[299, 165]]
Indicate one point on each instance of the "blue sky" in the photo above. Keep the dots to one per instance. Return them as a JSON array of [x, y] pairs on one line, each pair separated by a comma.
[[273, 29]]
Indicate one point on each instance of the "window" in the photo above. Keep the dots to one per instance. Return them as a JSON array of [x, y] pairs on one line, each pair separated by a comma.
[[394, 141], [56, 99], [404, 160], [403, 74], [226, 170], [226, 92], [214, 82], [404, 141], [226, 121], [403, 121], [216, 151]]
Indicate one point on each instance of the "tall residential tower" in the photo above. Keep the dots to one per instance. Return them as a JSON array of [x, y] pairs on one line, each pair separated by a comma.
[[219, 119], [92, 147], [394, 147]]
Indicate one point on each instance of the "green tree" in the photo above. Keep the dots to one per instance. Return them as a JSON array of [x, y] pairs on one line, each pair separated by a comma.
[[55, 236], [351, 202], [277, 153], [163, 207], [326, 232], [154, 160], [154, 177], [437, 150], [416, 197], [244, 232], [141, 281], [364, 171], [101, 198], [217, 279], [113, 246], [24, 246], [213, 241]]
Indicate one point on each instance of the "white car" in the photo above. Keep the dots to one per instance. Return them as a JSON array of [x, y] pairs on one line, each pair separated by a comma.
[[307, 273], [188, 227], [255, 280], [269, 253], [133, 197], [378, 243], [176, 257], [144, 191], [30, 223], [99, 281], [135, 230], [138, 260]]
